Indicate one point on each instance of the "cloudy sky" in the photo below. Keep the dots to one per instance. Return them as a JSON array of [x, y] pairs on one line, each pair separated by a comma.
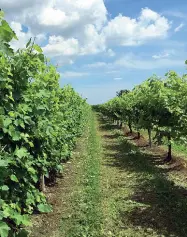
[[102, 46]]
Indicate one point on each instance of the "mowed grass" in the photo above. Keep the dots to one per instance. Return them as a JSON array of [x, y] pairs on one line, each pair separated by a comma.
[[117, 189], [85, 218], [142, 196]]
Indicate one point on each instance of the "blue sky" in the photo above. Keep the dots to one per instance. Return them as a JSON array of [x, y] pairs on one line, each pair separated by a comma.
[[101, 46]]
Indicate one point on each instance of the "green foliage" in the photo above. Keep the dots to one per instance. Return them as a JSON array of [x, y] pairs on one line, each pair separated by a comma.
[[157, 104], [6, 35], [4, 229], [44, 208], [121, 92], [39, 124]]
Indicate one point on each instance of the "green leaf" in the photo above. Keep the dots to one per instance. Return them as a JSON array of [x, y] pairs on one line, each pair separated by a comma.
[[6, 33], [37, 48], [14, 178], [19, 122], [2, 14], [1, 215], [4, 188], [5, 48], [16, 135], [3, 163], [44, 208], [8, 211], [11, 114], [47, 175], [22, 152], [23, 233], [21, 219], [2, 111], [31, 144], [7, 122], [31, 170], [4, 229], [29, 42], [41, 57]]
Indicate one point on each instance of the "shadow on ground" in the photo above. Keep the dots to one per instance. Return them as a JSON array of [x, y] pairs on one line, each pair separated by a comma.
[[162, 206]]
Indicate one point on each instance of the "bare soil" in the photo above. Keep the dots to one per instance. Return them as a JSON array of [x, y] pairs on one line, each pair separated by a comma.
[[58, 196]]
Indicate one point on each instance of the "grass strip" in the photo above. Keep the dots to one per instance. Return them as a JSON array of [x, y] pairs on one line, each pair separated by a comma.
[[86, 217]]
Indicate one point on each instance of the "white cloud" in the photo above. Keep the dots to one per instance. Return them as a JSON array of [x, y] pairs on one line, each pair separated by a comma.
[[112, 71], [80, 27], [131, 61], [93, 42], [96, 65], [10, 5], [118, 78], [174, 13], [72, 74], [61, 61], [59, 46], [111, 53], [54, 17], [165, 54], [57, 15], [127, 31], [161, 55], [178, 28]]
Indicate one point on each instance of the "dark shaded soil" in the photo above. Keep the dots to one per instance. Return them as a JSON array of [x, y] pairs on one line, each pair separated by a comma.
[[177, 163]]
